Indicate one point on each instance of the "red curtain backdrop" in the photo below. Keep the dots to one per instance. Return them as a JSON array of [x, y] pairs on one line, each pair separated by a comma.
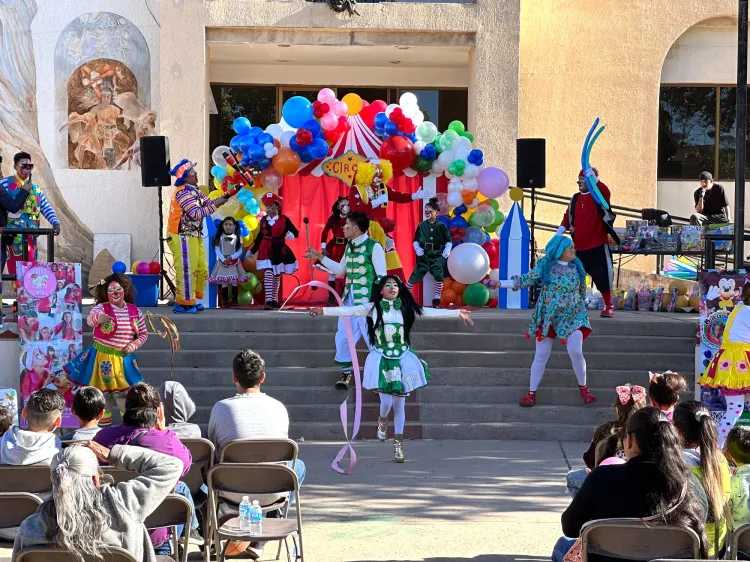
[[311, 197]]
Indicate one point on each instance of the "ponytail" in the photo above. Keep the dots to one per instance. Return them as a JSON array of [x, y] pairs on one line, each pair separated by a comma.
[[665, 388]]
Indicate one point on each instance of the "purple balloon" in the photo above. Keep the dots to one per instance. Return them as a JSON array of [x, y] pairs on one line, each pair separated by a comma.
[[142, 268], [493, 182]]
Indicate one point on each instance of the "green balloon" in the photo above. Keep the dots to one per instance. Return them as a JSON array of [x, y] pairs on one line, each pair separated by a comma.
[[245, 298], [473, 221], [436, 143], [421, 165], [457, 126], [250, 284], [494, 203], [468, 135], [476, 294], [499, 218], [453, 170]]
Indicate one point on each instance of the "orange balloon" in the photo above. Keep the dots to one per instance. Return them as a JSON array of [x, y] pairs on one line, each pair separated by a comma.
[[277, 143], [468, 196], [250, 265], [447, 283], [448, 296], [458, 288], [286, 162], [459, 302]]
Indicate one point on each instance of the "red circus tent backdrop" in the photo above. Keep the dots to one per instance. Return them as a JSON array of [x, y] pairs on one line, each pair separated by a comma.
[[310, 193]]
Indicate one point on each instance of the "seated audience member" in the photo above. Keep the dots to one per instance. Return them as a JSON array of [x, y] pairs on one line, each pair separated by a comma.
[[86, 514], [711, 202], [178, 409], [38, 444], [249, 414], [630, 398], [6, 419], [143, 425], [738, 451], [655, 482], [664, 391], [88, 407], [700, 439]]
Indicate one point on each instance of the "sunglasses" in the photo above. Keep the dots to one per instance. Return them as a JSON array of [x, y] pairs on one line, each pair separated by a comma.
[[27, 166]]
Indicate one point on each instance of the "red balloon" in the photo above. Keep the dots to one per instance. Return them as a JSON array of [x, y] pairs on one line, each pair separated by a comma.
[[399, 151], [453, 229], [325, 108], [304, 137], [493, 252], [154, 268], [332, 136], [317, 112], [378, 106], [368, 116], [343, 125], [461, 231], [492, 303], [456, 237]]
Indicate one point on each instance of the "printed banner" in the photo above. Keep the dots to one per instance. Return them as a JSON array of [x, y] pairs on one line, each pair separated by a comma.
[[50, 328]]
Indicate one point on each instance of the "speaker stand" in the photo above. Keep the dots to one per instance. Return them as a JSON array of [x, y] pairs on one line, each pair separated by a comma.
[[164, 277], [532, 258]]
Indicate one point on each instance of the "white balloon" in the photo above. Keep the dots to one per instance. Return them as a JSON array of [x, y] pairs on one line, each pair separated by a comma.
[[494, 274], [418, 119], [217, 157], [275, 130], [468, 263], [390, 108], [463, 143], [419, 146], [470, 183], [410, 111], [462, 154], [455, 200], [437, 169], [407, 98], [286, 136], [286, 126], [471, 171], [445, 159], [453, 188]]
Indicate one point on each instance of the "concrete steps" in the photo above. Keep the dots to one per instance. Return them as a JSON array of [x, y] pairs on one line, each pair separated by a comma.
[[478, 373]]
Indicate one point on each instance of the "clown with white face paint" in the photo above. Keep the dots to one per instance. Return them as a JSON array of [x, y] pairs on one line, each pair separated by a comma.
[[119, 330]]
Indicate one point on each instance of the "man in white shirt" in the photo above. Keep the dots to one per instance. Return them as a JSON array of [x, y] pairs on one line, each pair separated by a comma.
[[363, 264], [249, 414]]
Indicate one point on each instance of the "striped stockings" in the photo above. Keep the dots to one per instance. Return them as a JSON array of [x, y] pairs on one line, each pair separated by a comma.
[[271, 285]]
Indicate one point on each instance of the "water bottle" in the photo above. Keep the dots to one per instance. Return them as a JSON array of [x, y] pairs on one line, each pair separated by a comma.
[[245, 514], [256, 519]]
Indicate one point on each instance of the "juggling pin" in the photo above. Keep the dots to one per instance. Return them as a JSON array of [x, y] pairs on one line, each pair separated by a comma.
[[246, 176], [586, 167]]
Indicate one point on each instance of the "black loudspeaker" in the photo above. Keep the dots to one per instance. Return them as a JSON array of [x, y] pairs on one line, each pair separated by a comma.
[[155, 162], [531, 158]]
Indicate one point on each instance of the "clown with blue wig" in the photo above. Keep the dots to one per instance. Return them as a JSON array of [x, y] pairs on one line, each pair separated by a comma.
[[560, 311]]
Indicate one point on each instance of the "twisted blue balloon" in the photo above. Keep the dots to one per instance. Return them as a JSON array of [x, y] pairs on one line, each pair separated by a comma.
[[586, 167]]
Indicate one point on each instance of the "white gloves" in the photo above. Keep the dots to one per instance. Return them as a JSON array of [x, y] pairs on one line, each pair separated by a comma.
[[322, 245], [447, 250], [506, 283], [418, 249], [560, 231], [379, 200], [420, 194], [289, 236]]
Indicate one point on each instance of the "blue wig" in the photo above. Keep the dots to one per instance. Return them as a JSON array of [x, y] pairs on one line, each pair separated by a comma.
[[552, 253]]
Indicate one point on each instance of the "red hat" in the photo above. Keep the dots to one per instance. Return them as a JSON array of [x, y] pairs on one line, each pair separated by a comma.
[[270, 199]]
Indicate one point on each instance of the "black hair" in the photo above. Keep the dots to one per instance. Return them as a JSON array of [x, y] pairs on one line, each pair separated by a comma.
[[43, 407], [336, 209], [100, 290], [409, 307], [360, 219], [141, 403], [658, 442], [665, 388], [433, 204], [705, 176], [248, 368], [6, 419], [88, 403], [220, 233], [697, 428], [738, 444], [20, 156]]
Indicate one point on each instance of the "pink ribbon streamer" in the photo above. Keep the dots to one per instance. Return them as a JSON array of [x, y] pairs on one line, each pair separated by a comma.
[[343, 414]]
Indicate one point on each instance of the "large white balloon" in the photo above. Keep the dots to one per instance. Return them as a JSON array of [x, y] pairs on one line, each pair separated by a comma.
[[454, 200], [389, 109], [468, 263], [470, 183], [286, 126], [444, 159], [418, 119], [471, 171], [462, 154], [217, 157], [275, 130], [410, 111], [286, 137], [407, 99], [437, 169], [463, 143]]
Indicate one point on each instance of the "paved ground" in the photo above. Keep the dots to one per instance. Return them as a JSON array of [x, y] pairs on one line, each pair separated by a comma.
[[452, 501]]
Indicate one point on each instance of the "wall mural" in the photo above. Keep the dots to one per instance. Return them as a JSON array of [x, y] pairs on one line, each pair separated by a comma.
[[102, 79]]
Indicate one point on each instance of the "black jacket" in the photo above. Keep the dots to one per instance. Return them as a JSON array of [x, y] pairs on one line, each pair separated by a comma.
[[626, 490], [11, 203]]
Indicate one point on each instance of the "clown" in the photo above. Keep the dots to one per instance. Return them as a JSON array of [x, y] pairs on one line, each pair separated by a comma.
[[35, 206], [370, 195], [333, 241], [432, 244], [119, 330], [560, 311], [274, 256], [185, 236]]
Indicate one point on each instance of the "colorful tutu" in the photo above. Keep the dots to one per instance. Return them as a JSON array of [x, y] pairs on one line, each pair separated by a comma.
[[105, 368], [729, 369], [397, 376]]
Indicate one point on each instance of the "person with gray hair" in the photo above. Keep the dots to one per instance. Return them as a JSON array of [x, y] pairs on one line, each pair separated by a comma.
[[86, 513]]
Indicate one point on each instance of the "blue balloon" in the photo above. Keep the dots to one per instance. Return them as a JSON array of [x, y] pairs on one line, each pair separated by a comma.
[[314, 127], [245, 160], [218, 173], [119, 267], [256, 152], [475, 156], [305, 156], [293, 145], [459, 222], [391, 128], [460, 210], [445, 220], [380, 120], [318, 148], [241, 125], [244, 195], [254, 133], [244, 231], [246, 141], [487, 237], [264, 163], [297, 111], [265, 138], [234, 144], [217, 223]]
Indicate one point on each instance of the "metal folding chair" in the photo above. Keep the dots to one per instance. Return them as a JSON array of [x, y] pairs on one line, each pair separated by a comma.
[[174, 510], [15, 507], [34, 479], [53, 554], [738, 541]]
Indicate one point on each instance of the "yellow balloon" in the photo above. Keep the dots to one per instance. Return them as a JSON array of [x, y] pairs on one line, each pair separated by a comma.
[[217, 184], [240, 213], [353, 102], [215, 194], [230, 207], [251, 222], [204, 189]]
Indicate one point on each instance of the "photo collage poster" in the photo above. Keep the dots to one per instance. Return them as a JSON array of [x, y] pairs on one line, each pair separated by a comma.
[[50, 328], [720, 292]]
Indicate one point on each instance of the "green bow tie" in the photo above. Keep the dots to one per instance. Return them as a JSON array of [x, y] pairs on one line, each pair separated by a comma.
[[388, 305]]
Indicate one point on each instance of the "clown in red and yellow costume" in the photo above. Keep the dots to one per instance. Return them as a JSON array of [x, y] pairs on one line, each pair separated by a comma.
[[274, 256], [370, 195]]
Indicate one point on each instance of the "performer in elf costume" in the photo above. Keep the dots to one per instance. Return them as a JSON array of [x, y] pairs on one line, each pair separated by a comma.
[[432, 243], [36, 206], [333, 242], [185, 236], [370, 195], [119, 330], [560, 311], [363, 263], [392, 369]]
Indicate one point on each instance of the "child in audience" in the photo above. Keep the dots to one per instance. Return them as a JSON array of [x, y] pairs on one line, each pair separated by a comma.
[[738, 451], [6, 419], [88, 407], [700, 438], [630, 398], [664, 391]]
